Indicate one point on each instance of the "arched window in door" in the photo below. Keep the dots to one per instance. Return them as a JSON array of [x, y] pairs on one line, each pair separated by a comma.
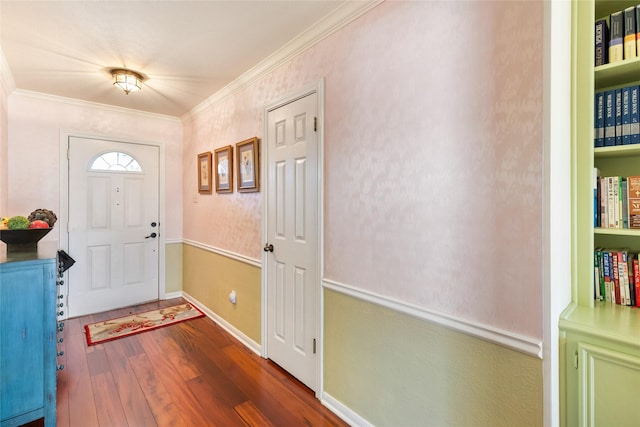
[[116, 161]]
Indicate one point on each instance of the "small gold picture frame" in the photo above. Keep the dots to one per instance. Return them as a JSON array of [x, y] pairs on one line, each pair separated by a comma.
[[224, 169], [204, 173], [248, 158]]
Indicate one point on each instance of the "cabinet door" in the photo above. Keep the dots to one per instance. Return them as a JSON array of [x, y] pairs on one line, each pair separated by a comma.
[[608, 387], [22, 343]]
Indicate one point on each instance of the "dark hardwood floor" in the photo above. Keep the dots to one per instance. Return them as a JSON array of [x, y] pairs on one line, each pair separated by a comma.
[[189, 374]]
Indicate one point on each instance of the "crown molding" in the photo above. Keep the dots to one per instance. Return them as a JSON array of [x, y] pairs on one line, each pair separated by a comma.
[[6, 76], [337, 19], [90, 104]]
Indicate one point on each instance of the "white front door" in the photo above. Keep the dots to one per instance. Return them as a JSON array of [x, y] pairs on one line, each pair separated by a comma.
[[113, 224], [291, 262]]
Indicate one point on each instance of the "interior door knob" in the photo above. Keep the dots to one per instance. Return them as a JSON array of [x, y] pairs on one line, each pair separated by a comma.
[[152, 235], [268, 247]]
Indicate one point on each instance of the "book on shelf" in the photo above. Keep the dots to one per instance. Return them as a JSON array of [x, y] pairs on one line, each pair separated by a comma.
[[633, 193], [634, 114], [607, 277], [631, 256], [624, 211], [636, 279], [603, 221], [598, 122], [596, 199], [598, 275], [626, 114], [615, 274], [613, 201], [625, 298], [609, 118], [617, 209], [616, 23], [618, 115], [630, 32], [611, 223], [637, 28], [602, 42], [616, 118]]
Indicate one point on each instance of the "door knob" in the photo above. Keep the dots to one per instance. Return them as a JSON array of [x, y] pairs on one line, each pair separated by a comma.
[[152, 235], [268, 247]]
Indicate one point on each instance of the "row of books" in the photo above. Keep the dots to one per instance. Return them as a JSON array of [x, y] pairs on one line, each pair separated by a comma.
[[617, 117], [620, 39], [617, 276], [616, 201]]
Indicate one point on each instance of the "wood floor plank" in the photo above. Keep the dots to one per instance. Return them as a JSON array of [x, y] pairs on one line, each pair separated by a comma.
[[108, 406], [191, 374], [257, 386], [177, 353], [97, 360], [221, 386], [188, 404], [252, 415], [272, 386], [132, 398], [159, 399], [206, 330], [82, 409], [221, 414]]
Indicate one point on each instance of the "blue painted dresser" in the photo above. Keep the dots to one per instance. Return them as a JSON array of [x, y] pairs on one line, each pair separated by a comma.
[[28, 336]]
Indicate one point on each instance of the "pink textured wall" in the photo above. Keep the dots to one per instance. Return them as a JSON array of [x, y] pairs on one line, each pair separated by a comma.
[[4, 153], [34, 140], [433, 158]]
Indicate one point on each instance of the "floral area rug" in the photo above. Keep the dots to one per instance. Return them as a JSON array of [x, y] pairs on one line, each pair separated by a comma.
[[120, 327]]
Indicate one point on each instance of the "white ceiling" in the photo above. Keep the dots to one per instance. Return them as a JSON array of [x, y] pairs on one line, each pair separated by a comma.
[[187, 50]]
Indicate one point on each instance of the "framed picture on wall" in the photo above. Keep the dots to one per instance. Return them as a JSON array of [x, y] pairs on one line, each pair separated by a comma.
[[204, 172], [248, 165], [224, 169]]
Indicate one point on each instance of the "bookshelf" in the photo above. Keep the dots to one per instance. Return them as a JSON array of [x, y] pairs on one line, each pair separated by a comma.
[[600, 341]]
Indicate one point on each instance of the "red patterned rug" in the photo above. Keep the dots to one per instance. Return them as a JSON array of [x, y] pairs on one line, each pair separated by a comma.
[[120, 327]]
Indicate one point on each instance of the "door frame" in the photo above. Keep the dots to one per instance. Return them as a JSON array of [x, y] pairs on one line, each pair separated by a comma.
[[317, 88], [63, 215]]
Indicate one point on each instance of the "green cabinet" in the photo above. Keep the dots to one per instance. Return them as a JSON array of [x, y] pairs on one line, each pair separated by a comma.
[[599, 341], [602, 367], [27, 340]]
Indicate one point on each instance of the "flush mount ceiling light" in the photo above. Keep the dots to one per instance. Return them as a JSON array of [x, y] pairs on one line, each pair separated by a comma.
[[127, 80]]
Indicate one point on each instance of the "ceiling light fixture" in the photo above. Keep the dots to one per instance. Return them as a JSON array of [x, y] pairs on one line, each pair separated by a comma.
[[127, 80]]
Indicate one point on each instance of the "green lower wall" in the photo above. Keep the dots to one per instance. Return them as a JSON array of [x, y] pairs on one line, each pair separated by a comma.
[[397, 370], [389, 368], [210, 277], [173, 267]]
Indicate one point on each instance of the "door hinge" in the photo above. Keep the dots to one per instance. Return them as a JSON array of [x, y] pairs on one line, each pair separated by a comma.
[[314, 346], [575, 360], [315, 124]]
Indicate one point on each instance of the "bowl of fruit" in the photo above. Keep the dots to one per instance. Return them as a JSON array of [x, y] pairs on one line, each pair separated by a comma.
[[22, 233]]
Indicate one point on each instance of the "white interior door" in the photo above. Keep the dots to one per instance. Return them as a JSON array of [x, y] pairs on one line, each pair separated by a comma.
[[113, 224], [291, 262]]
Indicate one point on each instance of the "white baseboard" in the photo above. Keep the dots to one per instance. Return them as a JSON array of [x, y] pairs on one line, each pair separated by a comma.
[[248, 342], [345, 413]]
